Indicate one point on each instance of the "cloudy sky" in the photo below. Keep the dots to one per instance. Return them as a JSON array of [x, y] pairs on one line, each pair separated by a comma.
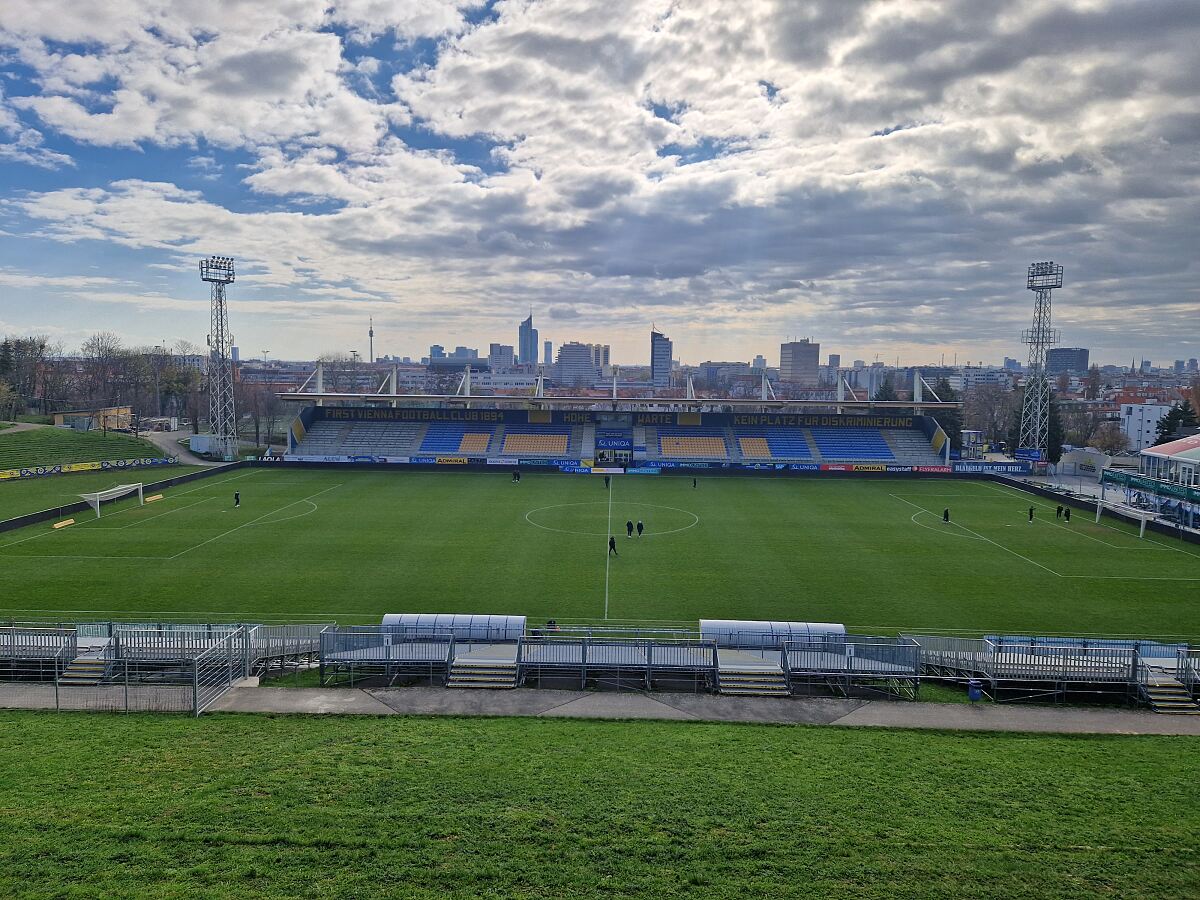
[[874, 174]]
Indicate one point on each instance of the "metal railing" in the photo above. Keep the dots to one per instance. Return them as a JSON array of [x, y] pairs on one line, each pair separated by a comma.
[[1062, 664], [214, 670], [172, 645], [267, 644], [875, 657], [17, 643]]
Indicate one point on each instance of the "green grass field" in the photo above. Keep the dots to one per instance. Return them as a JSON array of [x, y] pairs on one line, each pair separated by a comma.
[[26, 495], [52, 446], [350, 545], [240, 806]]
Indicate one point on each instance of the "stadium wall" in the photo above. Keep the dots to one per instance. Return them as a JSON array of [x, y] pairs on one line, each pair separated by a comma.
[[82, 506]]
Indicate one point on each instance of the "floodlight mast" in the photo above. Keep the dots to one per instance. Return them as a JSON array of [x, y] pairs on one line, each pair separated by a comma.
[[222, 419], [1043, 277]]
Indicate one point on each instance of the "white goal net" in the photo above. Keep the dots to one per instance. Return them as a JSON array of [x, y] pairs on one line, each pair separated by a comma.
[[116, 493]]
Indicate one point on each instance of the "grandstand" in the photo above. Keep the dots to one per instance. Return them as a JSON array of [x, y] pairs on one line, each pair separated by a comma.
[[350, 434]]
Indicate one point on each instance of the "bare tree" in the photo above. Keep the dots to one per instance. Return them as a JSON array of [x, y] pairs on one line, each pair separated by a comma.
[[1110, 438], [8, 401], [1091, 385], [988, 408]]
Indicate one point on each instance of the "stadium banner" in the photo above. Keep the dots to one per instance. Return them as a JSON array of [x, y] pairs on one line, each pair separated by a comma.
[[452, 460], [423, 460], [761, 467], [502, 461], [465, 416], [791, 420], [401, 460], [575, 470], [644, 470], [869, 467], [935, 470], [597, 470], [804, 467], [545, 462], [1030, 453], [67, 468], [898, 469], [1151, 485], [614, 443], [837, 467], [993, 468], [318, 459]]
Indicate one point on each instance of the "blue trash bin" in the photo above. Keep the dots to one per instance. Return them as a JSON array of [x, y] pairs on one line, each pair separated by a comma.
[[974, 690]]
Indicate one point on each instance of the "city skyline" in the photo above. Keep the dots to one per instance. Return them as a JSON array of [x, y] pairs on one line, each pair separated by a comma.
[[876, 175]]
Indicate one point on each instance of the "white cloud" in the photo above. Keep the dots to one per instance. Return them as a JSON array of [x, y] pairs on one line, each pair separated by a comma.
[[880, 171]]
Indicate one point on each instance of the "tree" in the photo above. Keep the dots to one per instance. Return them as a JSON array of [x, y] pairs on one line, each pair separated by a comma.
[[8, 401], [1091, 385], [1187, 418], [951, 420], [1110, 438], [988, 408], [1168, 425], [1054, 433], [886, 392], [1063, 382]]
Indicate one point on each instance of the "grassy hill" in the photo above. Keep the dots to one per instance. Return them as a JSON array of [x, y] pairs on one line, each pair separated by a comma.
[[242, 806], [54, 446]]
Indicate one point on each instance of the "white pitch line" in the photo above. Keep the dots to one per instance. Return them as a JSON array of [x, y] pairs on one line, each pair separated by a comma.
[[983, 538], [607, 555], [252, 521], [156, 515], [1016, 492]]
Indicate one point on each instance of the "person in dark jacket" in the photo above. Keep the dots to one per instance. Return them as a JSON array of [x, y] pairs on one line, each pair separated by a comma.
[[629, 529], [640, 526], [612, 546]]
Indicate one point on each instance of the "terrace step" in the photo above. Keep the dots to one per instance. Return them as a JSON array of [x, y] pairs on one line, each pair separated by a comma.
[[477, 675], [1169, 697], [754, 682], [84, 671]]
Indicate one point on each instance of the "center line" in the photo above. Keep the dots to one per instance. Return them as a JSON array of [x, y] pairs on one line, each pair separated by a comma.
[[607, 555]]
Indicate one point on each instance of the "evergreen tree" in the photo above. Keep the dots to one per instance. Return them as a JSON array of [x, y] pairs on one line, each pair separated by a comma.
[[1187, 417], [1054, 433], [886, 391], [1168, 425]]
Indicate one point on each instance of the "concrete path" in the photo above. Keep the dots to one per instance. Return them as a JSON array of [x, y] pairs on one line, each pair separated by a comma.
[[436, 701], [20, 426], [168, 442]]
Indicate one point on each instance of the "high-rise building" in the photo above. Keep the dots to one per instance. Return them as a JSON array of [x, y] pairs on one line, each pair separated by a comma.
[[501, 356], [1193, 365], [860, 364], [527, 343], [835, 360], [437, 351], [1139, 421], [1013, 365], [1066, 359], [580, 364], [660, 359], [1147, 365], [799, 361], [235, 354], [1179, 364], [465, 353], [547, 353], [759, 364]]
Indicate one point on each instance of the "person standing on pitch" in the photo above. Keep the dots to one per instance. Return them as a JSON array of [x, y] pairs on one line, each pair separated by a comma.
[[612, 546], [237, 499], [606, 481], [1067, 514], [1058, 512], [629, 529], [1031, 515], [946, 515], [640, 526], [693, 484]]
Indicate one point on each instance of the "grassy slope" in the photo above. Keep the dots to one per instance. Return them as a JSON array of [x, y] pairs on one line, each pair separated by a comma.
[[352, 545], [51, 446], [232, 806], [28, 495]]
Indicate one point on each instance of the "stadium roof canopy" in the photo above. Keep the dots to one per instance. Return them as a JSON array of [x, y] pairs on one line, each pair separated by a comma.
[[639, 404], [1185, 449]]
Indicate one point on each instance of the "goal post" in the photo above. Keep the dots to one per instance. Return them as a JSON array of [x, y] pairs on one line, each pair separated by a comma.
[[1120, 510], [121, 490]]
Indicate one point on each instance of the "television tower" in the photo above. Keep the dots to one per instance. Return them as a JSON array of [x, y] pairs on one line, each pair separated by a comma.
[[1035, 410], [371, 337], [222, 420]]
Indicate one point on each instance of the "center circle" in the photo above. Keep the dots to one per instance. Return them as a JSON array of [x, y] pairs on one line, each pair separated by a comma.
[[589, 518]]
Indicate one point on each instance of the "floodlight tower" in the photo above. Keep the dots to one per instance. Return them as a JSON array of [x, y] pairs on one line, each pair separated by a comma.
[[222, 420], [1035, 410]]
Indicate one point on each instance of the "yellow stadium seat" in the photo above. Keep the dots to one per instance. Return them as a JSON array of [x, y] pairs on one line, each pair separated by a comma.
[[754, 448], [474, 443]]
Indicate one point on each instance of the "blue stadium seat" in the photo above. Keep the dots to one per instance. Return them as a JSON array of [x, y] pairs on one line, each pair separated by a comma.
[[852, 444]]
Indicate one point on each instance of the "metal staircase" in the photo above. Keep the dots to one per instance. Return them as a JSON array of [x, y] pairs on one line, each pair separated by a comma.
[[757, 681], [1166, 695], [84, 671], [496, 675]]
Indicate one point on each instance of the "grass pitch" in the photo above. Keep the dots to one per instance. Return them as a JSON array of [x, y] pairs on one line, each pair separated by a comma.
[[351, 545], [239, 806]]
